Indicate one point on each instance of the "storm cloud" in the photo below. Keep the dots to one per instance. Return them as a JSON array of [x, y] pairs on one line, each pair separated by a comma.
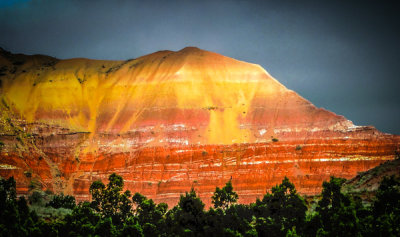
[[341, 55]]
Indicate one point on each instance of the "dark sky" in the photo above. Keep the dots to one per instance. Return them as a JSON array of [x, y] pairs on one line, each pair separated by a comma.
[[341, 55]]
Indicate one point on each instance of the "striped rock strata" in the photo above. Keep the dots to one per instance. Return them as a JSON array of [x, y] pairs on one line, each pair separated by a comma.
[[170, 121]]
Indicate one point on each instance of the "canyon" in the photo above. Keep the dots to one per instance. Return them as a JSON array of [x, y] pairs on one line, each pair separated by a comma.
[[169, 121]]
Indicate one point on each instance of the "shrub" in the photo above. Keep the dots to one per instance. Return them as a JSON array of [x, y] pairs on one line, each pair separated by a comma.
[[36, 198], [61, 201], [34, 184], [28, 173]]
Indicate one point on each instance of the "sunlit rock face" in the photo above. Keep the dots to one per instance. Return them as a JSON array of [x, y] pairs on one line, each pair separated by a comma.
[[170, 121]]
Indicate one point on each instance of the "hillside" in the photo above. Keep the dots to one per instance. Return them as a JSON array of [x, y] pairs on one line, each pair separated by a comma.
[[367, 183], [169, 121]]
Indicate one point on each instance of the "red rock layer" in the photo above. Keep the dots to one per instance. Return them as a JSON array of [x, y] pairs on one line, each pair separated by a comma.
[[170, 121], [165, 172]]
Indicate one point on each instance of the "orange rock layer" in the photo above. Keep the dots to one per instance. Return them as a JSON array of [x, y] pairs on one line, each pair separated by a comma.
[[170, 121]]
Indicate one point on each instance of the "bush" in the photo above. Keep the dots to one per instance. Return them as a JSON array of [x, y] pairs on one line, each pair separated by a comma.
[[28, 173], [47, 212], [36, 198], [61, 201]]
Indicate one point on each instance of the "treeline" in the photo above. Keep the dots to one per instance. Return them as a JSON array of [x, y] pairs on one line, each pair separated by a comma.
[[281, 212]]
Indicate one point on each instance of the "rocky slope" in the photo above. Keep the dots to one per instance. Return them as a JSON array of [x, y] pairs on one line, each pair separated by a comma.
[[365, 184], [169, 121]]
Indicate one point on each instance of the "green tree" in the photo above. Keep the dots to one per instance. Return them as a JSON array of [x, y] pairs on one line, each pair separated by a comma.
[[131, 228], [268, 227], [97, 190], [225, 196], [279, 213], [336, 212], [387, 199], [150, 215], [386, 208], [8, 191], [214, 222], [15, 217], [82, 221], [281, 210], [238, 217], [109, 200], [105, 227], [187, 218]]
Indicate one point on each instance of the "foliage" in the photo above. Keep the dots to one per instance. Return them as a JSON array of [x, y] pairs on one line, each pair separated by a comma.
[[282, 212], [188, 214], [109, 200], [15, 217], [386, 208], [61, 201], [335, 212], [36, 198], [225, 196], [238, 217], [82, 222], [150, 215], [50, 212]]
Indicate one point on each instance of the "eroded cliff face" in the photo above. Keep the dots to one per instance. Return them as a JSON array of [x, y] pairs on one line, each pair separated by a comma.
[[169, 121]]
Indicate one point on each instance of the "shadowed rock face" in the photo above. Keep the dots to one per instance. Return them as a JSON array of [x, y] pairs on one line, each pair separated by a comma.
[[168, 121]]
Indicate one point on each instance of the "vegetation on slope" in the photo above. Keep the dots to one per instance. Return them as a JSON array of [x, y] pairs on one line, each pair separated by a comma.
[[366, 184]]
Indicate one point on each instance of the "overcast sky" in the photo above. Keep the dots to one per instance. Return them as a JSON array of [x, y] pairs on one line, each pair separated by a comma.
[[341, 55]]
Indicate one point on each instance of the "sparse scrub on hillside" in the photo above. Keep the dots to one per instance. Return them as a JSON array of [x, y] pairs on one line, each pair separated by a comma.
[[5, 104], [81, 81], [369, 179], [34, 185], [211, 107], [28, 173]]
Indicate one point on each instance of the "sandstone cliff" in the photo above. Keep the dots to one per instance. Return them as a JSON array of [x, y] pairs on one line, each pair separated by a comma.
[[169, 121]]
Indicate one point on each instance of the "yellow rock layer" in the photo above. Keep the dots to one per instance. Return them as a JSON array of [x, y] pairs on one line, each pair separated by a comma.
[[157, 89]]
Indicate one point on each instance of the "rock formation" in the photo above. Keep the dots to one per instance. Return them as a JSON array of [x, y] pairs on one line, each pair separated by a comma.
[[169, 121]]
